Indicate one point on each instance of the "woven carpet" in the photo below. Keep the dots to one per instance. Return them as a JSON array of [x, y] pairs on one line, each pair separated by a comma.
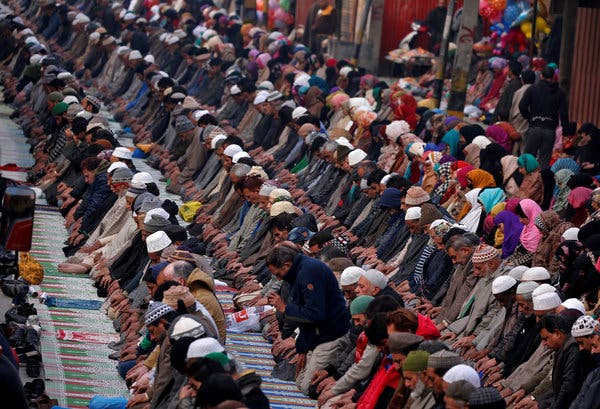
[[73, 340]]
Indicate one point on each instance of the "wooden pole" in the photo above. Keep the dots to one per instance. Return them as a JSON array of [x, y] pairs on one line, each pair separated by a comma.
[[533, 28], [567, 46], [361, 32], [440, 75], [462, 60]]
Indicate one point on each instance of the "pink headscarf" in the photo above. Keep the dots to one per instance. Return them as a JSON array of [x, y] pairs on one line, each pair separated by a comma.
[[579, 197], [499, 135], [530, 236], [262, 60]]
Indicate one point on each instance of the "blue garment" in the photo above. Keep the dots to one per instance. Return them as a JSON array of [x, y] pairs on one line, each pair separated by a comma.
[[73, 303], [53, 26], [106, 402], [143, 90], [316, 303]]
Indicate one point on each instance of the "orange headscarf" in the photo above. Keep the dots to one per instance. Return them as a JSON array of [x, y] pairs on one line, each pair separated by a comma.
[[481, 179]]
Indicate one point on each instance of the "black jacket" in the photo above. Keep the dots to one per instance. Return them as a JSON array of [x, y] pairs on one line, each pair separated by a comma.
[[543, 104], [567, 375], [317, 304]]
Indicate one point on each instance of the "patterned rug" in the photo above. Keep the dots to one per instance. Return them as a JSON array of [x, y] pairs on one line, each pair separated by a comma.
[[73, 340]]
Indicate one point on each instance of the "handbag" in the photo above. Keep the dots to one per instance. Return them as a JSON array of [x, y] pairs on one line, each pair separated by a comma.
[[30, 269]]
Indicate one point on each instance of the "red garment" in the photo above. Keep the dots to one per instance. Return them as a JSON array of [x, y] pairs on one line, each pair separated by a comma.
[[494, 92], [386, 376], [426, 328], [361, 345]]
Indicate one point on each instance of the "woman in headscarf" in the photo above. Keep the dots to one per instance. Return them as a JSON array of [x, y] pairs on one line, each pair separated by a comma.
[[313, 101], [421, 129], [473, 149], [565, 163], [414, 151], [481, 85], [511, 177], [429, 161], [531, 186], [577, 211], [389, 152], [497, 134], [479, 178], [491, 197], [511, 227], [562, 191], [451, 138], [497, 65], [472, 219], [490, 161], [528, 210], [549, 224], [444, 172]]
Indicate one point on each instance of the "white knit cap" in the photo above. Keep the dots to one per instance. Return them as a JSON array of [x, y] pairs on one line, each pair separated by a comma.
[[199, 114], [186, 326], [502, 284], [142, 178], [278, 193], [356, 156], [159, 211], [278, 208], [115, 165], [266, 85], [204, 346], [462, 373], [149, 59], [266, 189], [527, 287], [157, 242], [236, 158], [350, 275], [574, 304], [235, 90], [376, 278], [122, 153], [215, 140], [413, 213], [299, 112], [135, 55], [536, 274], [343, 141], [231, 150], [543, 289], [261, 96], [546, 301], [570, 234], [172, 39], [70, 99], [584, 326], [517, 272]]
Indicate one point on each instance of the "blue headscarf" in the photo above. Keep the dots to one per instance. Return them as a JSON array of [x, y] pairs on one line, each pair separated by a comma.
[[491, 197]]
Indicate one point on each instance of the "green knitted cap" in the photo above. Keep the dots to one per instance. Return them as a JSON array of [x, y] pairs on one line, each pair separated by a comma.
[[416, 361], [359, 304]]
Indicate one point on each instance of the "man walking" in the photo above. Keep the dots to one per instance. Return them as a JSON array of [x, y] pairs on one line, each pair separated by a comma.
[[543, 105], [316, 305]]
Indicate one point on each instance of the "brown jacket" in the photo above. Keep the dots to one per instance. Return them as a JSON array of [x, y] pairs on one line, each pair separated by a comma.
[[202, 287]]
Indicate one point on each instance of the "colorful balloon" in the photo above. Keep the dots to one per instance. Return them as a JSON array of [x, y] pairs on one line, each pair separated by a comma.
[[497, 5]]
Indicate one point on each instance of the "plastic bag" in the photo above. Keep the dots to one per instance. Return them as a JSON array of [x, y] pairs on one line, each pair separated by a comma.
[[247, 320]]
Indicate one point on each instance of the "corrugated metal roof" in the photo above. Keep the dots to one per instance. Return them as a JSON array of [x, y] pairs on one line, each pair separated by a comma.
[[584, 98]]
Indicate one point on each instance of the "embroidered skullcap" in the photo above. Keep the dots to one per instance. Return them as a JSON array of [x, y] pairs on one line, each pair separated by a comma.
[[517, 272], [502, 284], [156, 310], [546, 301], [350, 275], [376, 278], [413, 213], [462, 372], [584, 326], [484, 253], [536, 274], [527, 287]]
